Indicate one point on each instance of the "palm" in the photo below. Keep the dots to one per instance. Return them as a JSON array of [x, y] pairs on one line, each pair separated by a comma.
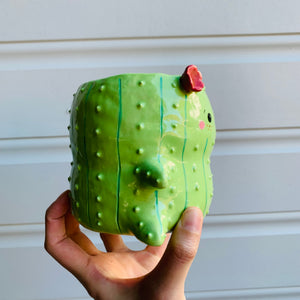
[[119, 262], [127, 264]]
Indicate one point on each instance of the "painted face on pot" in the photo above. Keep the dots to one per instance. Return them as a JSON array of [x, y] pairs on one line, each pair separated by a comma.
[[141, 145]]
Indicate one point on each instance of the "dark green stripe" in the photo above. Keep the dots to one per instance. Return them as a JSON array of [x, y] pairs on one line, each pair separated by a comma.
[[86, 156], [158, 157], [203, 165], [157, 210], [118, 153], [161, 107]]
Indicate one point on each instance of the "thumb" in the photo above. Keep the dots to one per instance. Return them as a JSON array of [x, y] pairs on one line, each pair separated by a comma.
[[173, 268]]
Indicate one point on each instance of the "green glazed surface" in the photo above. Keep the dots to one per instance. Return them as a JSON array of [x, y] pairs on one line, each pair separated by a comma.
[[140, 156]]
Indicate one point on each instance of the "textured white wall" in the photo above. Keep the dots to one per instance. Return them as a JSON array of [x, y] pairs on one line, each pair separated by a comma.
[[249, 54]]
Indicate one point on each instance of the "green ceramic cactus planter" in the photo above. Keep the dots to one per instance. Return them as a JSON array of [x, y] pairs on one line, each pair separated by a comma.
[[141, 145]]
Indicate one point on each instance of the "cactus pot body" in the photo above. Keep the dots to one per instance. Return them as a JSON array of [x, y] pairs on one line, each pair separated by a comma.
[[141, 148]]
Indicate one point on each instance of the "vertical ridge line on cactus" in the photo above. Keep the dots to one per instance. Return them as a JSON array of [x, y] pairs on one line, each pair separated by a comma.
[[118, 152], [161, 107], [157, 211], [161, 116], [183, 150], [203, 165], [159, 153], [86, 155]]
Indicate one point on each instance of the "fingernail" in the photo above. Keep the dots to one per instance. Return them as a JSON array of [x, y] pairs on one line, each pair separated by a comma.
[[192, 219]]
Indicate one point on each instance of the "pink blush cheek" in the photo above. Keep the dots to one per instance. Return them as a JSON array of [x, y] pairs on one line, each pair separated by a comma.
[[202, 125]]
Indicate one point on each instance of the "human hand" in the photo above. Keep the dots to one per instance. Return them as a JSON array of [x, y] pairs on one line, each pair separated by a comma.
[[121, 273]]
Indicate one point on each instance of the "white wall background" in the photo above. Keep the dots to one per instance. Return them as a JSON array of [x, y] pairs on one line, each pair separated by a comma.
[[249, 54]]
